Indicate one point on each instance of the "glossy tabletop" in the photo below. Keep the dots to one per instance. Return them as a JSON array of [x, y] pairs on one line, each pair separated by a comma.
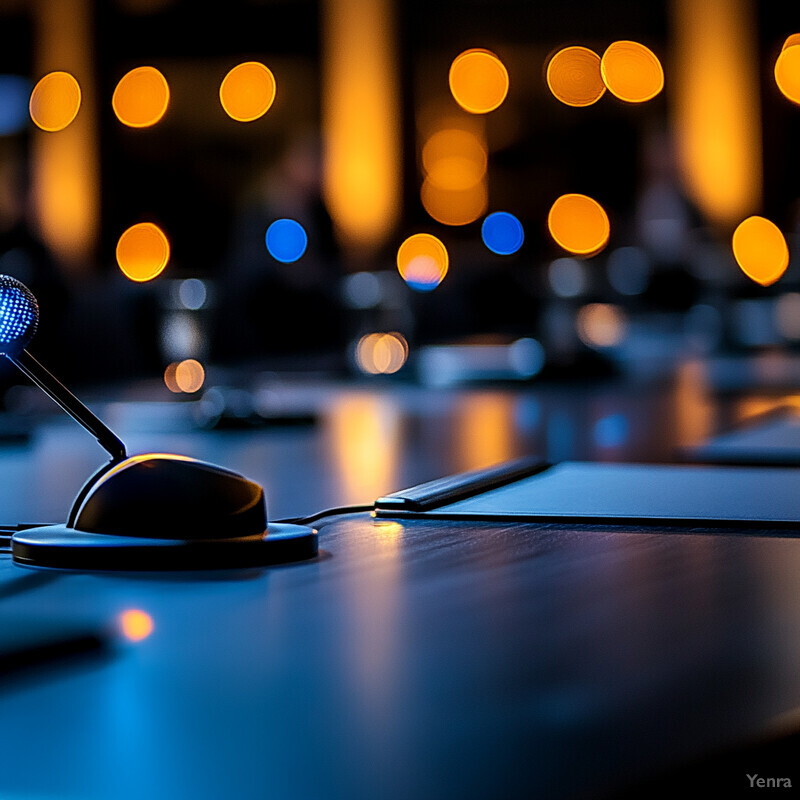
[[411, 658]]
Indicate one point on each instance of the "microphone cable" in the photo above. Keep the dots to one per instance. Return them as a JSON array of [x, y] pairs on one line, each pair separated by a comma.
[[7, 531]]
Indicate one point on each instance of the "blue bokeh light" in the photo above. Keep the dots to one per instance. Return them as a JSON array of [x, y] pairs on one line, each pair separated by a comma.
[[502, 233], [612, 431], [19, 315], [286, 240], [15, 91]]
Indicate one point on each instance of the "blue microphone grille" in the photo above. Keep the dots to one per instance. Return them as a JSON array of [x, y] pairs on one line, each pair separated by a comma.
[[19, 315]]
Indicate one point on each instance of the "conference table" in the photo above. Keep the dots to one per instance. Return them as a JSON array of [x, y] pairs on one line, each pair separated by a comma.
[[412, 658]]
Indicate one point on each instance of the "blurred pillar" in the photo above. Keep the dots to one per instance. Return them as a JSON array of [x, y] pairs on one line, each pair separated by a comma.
[[717, 108], [361, 122], [65, 164]]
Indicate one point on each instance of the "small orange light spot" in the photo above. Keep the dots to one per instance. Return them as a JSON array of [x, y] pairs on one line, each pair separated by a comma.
[[247, 91], [422, 261], [169, 378], [143, 252], [135, 625], [791, 40], [760, 250], [574, 78], [454, 207], [478, 81], [454, 159], [787, 72], [381, 353], [141, 97], [601, 325], [579, 224], [189, 375], [55, 101], [632, 72]]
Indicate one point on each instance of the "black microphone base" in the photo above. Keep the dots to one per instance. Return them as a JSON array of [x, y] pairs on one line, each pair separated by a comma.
[[62, 547]]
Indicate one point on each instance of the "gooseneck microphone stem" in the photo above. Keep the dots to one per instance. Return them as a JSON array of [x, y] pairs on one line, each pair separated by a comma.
[[59, 393]]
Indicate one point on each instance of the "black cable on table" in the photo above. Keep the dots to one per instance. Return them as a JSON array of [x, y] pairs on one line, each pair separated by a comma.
[[7, 531], [328, 512]]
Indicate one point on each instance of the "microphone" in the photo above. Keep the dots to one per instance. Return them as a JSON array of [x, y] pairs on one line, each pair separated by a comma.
[[156, 511], [19, 319]]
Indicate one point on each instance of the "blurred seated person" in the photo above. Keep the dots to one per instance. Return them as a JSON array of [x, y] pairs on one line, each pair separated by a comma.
[[266, 307], [667, 225]]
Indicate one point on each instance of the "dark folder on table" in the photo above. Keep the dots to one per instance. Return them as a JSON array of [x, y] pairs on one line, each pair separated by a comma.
[[769, 439], [673, 495]]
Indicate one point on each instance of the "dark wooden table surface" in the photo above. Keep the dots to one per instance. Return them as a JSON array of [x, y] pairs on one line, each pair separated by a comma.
[[410, 659]]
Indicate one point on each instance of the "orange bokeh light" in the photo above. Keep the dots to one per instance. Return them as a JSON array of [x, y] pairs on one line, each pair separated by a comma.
[[381, 353], [573, 76], [55, 101], [247, 91], [787, 72], [141, 97], [760, 250], [579, 224], [422, 260], [631, 71], [478, 81], [189, 376], [601, 325], [454, 207], [454, 159], [169, 378], [791, 40], [143, 252], [135, 625]]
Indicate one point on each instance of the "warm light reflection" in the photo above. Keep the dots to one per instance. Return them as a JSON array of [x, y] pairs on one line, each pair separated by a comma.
[[755, 406], [361, 120], [143, 252], [760, 250], [485, 421], [422, 261], [454, 159], [55, 101], [189, 376], [601, 325], [579, 224], [141, 459], [787, 72], [478, 81], [365, 441], [694, 401], [135, 625], [387, 531], [65, 169], [715, 86], [632, 72], [453, 207], [141, 97], [381, 353], [573, 76], [247, 91]]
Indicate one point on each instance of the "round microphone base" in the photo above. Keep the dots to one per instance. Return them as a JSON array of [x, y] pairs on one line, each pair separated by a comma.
[[61, 547]]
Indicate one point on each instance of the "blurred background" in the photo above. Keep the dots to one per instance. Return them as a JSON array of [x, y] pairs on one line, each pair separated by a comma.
[[369, 190]]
